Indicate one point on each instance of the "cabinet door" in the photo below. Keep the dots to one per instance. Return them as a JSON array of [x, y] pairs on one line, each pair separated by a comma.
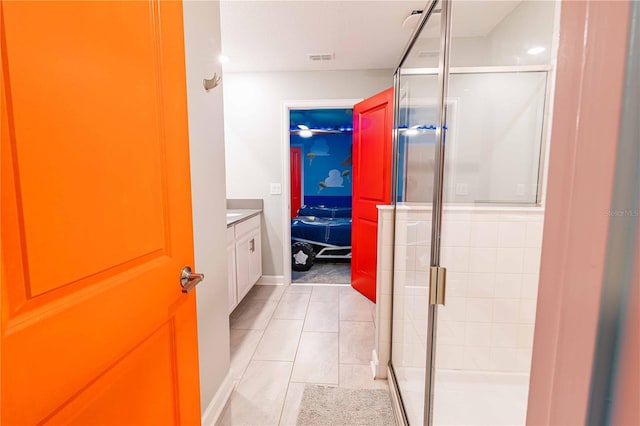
[[243, 274], [231, 276], [255, 256]]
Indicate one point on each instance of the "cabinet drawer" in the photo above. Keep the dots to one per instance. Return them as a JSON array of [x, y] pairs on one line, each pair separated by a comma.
[[247, 226], [231, 235]]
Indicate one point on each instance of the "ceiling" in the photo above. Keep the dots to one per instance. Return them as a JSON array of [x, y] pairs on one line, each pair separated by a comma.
[[360, 34]]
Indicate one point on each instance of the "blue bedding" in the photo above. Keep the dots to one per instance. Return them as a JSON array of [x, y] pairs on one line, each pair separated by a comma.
[[324, 211], [323, 230]]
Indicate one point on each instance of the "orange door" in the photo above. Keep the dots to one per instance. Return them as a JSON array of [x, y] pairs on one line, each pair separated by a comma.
[[96, 216], [296, 180], [372, 147]]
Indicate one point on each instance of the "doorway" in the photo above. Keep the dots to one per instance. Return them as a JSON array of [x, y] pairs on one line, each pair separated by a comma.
[[324, 113], [321, 194]]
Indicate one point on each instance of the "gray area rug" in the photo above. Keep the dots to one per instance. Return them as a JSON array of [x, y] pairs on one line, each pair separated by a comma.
[[326, 405], [324, 273]]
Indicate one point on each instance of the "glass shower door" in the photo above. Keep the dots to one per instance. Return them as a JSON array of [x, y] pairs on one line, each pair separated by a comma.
[[417, 132], [469, 166], [490, 238], [490, 244]]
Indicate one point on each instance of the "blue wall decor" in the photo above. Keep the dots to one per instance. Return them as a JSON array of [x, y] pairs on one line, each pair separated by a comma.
[[326, 156]]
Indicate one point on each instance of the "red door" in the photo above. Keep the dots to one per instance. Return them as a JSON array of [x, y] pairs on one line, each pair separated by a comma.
[[372, 148], [96, 215], [296, 180]]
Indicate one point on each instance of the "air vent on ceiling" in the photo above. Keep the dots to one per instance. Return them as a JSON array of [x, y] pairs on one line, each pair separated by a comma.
[[320, 56]]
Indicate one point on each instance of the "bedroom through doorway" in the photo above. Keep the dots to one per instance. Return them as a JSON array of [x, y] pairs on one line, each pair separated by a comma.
[[320, 143]]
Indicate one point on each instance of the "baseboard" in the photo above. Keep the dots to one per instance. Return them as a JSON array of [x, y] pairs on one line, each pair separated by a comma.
[[396, 405], [271, 280], [379, 371], [374, 363], [218, 402]]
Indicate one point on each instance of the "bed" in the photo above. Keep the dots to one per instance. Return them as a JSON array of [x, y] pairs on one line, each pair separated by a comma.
[[320, 233]]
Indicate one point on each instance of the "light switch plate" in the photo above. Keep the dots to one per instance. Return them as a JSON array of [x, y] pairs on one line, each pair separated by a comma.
[[275, 189]]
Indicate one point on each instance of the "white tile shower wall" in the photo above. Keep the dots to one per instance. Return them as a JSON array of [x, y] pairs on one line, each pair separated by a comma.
[[492, 257]]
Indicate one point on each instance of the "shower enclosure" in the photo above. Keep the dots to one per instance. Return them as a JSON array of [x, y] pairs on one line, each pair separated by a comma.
[[472, 93]]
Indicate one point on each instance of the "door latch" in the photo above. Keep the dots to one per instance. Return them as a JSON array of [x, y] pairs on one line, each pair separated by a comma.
[[189, 279]]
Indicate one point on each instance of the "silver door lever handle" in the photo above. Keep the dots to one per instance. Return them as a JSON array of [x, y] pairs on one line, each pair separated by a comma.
[[189, 279]]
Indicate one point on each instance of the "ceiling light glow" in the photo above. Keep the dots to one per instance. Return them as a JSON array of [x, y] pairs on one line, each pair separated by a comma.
[[304, 131], [536, 50], [223, 59], [412, 131]]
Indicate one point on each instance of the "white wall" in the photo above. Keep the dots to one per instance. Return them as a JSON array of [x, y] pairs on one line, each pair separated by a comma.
[[253, 105], [206, 136], [465, 52], [529, 25]]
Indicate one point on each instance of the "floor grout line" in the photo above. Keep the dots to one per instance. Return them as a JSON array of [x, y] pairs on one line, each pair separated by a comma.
[[262, 336], [286, 392]]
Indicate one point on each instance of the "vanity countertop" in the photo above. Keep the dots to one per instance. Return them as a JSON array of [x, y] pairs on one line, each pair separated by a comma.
[[238, 215]]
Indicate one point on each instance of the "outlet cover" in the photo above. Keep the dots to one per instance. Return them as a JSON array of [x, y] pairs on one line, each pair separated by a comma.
[[462, 189]]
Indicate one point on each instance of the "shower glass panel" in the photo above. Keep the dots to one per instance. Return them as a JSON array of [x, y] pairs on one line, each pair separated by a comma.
[[417, 122], [412, 243], [490, 243], [490, 240], [495, 122], [471, 202]]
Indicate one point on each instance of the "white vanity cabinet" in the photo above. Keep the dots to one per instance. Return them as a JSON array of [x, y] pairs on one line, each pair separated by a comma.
[[231, 267], [245, 268]]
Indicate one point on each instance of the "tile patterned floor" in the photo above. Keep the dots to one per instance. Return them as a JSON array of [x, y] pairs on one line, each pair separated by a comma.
[[285, 336]]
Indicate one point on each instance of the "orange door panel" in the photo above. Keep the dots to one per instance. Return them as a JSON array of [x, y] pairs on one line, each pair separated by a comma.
[[96, 215], [372, 148]]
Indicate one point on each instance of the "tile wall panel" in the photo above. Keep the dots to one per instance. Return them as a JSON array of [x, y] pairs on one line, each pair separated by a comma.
[[492, 257]]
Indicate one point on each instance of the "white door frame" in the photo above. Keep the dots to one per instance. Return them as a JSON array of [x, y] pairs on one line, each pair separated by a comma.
[[286, 169]]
